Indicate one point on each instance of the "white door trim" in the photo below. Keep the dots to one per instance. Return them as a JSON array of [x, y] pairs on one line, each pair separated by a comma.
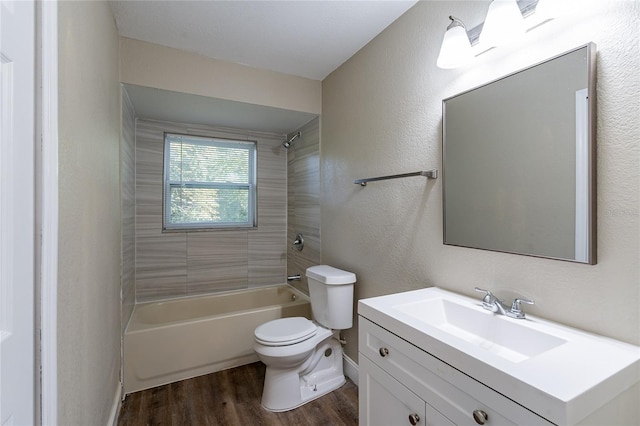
[[49, 173], [17, 211]]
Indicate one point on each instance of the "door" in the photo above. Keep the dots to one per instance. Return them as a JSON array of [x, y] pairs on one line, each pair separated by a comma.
[[17, 170]]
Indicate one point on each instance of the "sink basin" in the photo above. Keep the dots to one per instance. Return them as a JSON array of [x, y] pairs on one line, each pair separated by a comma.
[[497, 334]]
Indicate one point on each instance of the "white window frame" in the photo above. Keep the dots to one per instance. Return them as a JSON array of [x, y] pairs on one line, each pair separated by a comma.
[[250, 146]]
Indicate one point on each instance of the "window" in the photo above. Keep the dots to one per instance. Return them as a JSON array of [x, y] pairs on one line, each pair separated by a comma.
[[208, 183]]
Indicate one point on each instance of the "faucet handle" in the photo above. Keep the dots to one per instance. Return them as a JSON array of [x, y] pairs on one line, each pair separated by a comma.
[[482, 290], [488, 298], [516, 308], [298, 243]]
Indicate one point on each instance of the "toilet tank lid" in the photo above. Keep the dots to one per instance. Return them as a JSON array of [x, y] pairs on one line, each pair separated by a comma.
[[329, 275]]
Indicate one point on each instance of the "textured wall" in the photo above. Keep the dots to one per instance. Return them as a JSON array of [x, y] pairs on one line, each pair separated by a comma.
[[382, 115], [128, 207], [89, 198], [175, 264], [152, 65], [303, 201]]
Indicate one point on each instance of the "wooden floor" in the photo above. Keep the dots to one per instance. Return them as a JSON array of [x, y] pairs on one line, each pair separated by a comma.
[[232, 397]]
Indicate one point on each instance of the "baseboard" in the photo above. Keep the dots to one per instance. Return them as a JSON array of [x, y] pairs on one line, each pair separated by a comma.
[[350, 369], [115, 408]]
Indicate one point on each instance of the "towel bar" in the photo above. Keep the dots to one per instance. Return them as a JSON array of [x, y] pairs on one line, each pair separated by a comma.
[[429, 174]]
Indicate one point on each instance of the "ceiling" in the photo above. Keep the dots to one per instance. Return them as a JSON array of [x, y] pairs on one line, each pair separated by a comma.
[[305, 38]]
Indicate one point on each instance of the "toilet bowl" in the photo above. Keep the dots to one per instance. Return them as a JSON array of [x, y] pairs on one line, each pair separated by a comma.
[[299, 372], [304, 357]]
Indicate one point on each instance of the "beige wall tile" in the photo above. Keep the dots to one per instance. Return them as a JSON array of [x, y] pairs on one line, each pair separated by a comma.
[[303, 195], [161, 254], [216, 260], [267, 256], [128, 208]]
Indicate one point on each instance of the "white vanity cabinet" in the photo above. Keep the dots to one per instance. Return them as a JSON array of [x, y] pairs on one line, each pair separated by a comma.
[[399, 381], [432, 357]]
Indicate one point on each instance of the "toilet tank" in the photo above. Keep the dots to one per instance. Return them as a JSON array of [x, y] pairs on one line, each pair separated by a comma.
[[331, 293]]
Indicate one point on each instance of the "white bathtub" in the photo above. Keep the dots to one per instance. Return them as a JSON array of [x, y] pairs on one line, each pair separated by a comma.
[[178, 339]]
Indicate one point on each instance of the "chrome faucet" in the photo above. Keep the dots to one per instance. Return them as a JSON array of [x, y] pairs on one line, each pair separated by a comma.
[[493, 304]]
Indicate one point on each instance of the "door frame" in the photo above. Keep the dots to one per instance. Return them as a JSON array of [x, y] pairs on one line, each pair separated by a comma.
[[47, 173], [17, 212]]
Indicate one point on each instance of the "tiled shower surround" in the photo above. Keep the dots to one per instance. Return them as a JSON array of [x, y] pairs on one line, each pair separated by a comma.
[[128, 207], [303, 183], [175, 264]]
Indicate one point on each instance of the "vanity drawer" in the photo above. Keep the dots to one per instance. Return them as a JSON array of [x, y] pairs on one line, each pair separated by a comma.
[[439, 384]]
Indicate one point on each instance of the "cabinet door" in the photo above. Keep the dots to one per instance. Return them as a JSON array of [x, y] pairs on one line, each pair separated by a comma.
[[384, 401]]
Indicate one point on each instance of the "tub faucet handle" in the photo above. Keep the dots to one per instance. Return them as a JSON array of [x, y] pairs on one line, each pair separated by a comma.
[[298, 243]]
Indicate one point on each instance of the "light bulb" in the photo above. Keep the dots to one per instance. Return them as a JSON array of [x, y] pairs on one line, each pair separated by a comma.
[[504, 23]]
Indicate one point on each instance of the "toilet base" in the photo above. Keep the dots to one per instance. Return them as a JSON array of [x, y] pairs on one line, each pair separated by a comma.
[[321, 373]]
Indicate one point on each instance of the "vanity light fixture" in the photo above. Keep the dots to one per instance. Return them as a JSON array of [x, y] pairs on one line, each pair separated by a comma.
[[456, 47], [505, 22]]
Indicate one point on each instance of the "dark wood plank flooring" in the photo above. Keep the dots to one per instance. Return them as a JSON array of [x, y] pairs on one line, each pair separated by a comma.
[[232, 397]]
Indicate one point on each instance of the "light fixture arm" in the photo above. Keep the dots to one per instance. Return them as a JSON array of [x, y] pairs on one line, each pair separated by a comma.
[[455, 22]]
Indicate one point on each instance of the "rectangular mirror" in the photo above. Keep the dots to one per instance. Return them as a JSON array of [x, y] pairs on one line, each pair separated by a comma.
[[519, 161]]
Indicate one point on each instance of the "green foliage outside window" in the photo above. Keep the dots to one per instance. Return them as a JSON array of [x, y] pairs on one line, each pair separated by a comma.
[[208, 182]]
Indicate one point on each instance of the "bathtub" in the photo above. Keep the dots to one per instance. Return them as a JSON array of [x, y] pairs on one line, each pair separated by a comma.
[[178, 339]]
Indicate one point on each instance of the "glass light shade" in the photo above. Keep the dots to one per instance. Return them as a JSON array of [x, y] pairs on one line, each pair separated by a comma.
[[504, 23], [456, 48]]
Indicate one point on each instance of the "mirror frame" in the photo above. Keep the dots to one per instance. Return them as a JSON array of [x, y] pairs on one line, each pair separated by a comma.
[[591, 156]]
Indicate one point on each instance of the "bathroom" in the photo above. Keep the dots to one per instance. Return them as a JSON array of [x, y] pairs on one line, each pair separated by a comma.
[[378, 113]]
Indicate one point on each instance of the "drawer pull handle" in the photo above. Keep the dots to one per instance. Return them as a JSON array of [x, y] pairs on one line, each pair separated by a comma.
[[414, 419], [384, 352], [480, 417]]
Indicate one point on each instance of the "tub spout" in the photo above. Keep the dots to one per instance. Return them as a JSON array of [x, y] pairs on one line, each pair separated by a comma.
[[295, 277]]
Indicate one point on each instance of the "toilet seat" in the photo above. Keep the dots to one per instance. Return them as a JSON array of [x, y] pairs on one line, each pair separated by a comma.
[[285, 331]]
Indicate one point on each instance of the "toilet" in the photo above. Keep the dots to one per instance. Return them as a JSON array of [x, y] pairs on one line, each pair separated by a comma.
[[304, 357]]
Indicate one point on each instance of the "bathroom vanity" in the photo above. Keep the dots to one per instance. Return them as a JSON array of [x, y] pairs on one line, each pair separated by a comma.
[[432, 357]]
